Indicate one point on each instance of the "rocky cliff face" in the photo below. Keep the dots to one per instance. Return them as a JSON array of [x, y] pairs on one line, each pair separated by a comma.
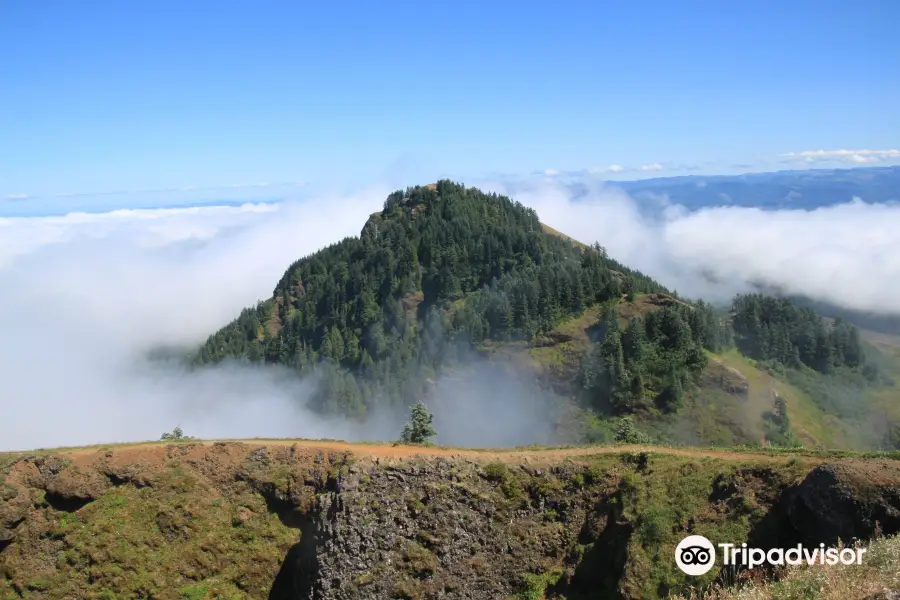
[[278, 521], [443, 528]]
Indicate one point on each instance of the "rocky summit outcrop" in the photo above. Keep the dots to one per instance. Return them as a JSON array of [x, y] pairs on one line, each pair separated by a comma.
[[846, 502], [330, 521]]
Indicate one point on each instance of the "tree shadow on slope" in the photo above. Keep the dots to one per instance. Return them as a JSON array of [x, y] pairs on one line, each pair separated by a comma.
[[297, 574], [598, 574], [299, 569]]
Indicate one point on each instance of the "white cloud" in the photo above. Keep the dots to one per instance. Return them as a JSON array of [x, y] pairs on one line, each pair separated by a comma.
[[845, 254], [551, 172], [609, 169], [158, 191], [23, 236], [652, 167], [16, 196], [248, 185], [852, 156], [84, 295]]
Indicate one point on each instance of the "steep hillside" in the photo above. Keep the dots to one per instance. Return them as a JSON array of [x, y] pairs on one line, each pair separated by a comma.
[[327, 520], [734, 398], [440, 270], [446, 276]]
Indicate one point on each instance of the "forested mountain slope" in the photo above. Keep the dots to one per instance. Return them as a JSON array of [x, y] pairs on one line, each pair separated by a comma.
[[735, 393], [439, 269], [445, 273]]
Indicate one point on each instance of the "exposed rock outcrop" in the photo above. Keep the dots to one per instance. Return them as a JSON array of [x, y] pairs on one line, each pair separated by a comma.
[[436, 529], [288, 522], [844, 502]]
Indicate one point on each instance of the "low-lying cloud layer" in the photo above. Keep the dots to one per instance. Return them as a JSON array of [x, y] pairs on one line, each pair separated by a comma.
[[844, 254], [85, 296]]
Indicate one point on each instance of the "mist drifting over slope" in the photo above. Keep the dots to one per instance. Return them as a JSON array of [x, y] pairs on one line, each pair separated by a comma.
[[845, 254], [84, 297]]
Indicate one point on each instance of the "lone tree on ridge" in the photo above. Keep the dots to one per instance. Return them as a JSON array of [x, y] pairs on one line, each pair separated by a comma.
[[419, 430]]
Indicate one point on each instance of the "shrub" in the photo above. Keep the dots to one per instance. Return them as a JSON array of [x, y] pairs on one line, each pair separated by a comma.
[[626, 432], [176, 435]]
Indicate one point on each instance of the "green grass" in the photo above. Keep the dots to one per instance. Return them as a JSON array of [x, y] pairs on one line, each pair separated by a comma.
[[812, 425], [139, 542], [673, 492], [877, 573], [534, 585], [884, 399], [658, 494], [184, 537], [711, 415]]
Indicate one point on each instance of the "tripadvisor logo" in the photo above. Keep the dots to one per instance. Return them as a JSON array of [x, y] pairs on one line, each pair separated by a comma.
[[696, 555]]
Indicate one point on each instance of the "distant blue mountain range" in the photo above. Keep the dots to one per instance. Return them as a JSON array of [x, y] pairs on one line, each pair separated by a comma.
[[782, 189]]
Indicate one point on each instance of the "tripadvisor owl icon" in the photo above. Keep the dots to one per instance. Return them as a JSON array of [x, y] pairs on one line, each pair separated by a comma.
[[695, 555]]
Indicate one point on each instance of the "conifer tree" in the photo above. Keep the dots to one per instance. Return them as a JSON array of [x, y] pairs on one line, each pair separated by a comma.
[[419, 429]]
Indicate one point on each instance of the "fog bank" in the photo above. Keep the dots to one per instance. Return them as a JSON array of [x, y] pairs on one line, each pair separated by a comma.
[[83, 297]]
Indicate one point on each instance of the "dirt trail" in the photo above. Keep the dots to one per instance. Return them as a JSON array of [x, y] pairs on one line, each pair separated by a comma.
[[373, 450]]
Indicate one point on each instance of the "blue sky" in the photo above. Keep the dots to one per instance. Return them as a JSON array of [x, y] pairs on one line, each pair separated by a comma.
[[111, 96]]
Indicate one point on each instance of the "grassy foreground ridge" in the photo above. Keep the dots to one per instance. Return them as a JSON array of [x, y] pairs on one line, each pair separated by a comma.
[[196, 520]]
